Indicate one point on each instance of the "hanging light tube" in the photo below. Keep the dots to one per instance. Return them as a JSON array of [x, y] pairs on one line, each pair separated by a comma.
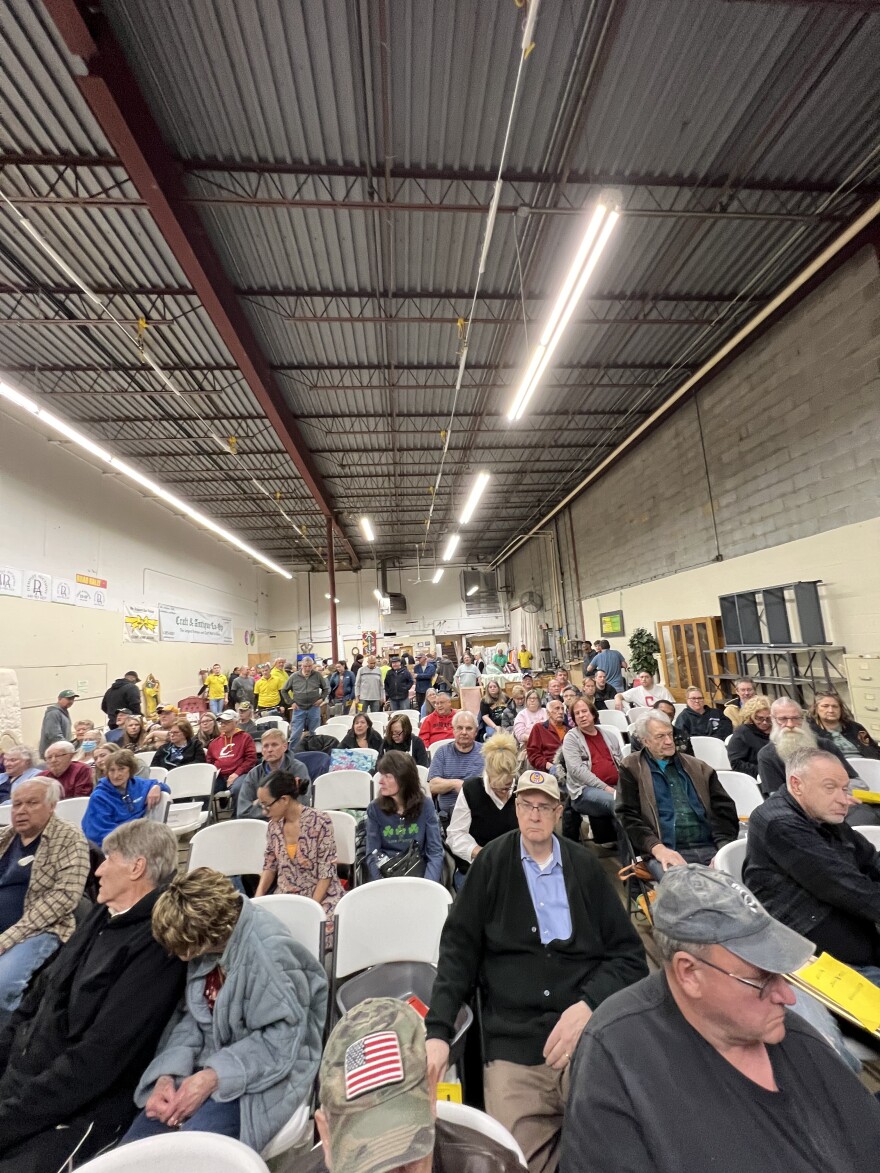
[[377, 595], [367, 530], [472, 590], [438, 574], [82, 441], [451, 547], [479, 487], [598, 230]]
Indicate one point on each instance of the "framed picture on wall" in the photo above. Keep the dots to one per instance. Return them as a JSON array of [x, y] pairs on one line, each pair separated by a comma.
[[611, 623]]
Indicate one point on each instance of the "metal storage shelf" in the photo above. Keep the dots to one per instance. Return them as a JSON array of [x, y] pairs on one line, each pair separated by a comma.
[[789, 668]]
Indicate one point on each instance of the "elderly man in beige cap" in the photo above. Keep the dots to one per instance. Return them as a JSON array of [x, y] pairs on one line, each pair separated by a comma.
[[540, 929]]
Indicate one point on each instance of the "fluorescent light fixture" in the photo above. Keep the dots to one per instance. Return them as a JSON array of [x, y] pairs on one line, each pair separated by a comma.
[[438, 574], [472, 590], [367, 529], [479, 487], [377, 595], [451, 547], [599, 228], [66, 430]]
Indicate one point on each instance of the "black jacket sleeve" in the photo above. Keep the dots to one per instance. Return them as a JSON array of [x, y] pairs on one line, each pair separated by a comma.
[[419, 752], [770, 769], [623, 955], [600, 1106]]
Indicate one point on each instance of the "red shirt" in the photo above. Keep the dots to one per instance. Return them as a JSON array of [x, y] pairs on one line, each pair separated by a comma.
[[436, 728], [76, 781], [601, 761], [543, 743], [232, 755]]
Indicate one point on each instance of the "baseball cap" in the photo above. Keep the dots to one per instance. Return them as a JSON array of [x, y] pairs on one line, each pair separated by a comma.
[[245, 706], [702, 906], [229, 715], [374, 1088], [68, 694], [164, 709], [538, 780], [131, 672]]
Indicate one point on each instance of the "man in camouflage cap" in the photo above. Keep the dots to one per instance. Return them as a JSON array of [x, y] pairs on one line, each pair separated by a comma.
[[377, 1107]]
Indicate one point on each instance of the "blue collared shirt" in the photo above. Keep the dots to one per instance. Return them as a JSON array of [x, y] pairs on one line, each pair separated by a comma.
[[547, 890]]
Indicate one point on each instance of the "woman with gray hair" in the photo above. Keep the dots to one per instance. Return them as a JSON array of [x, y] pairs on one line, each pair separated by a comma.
[[242, 1058]]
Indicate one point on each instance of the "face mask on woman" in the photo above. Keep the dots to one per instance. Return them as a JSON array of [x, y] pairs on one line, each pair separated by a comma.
[[88, 746]]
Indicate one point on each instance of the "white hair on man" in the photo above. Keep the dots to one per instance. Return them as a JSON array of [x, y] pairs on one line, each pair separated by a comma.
[[63, 746], [790, 731], [463, 717], [640, 727], [800, 760], [51, 787]]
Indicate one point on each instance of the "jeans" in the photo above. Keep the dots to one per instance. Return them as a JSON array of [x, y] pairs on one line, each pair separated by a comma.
[[371, 706], [336, 708], [19, 963], [399, 706], [811, 1010], [224, 1119], [217, 706], [301, 719], [703, 855]]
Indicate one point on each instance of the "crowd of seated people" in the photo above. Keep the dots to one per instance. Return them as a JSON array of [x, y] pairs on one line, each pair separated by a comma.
[[536, 925]]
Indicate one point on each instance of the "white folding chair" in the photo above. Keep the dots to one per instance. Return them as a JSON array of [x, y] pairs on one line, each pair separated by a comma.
[[868, 770], [432, 749], [711, 751], [342, 789], [614, 732], [345, 720], [159, 812], [158, 773], [235, 848], [194, 1152], [6, 814], [743, 789], [331, 730], [731, 857], [679, 709], [872, 834], [145, 757], [380, 720], [632, 715], [303, 918], [423, 778], [614, 718], [193, 781], [463, 1116], [71, 810], [185, 817], [344, 832], [263, 723]]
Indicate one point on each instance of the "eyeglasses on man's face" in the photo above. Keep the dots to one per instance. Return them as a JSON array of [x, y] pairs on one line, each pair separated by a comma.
[[542, 809], [762, 985]]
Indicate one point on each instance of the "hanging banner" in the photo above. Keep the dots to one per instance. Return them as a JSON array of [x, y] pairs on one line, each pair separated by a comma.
[[10, 581], [37, 586], [140, 623], [63, 590], [183, 626], [369, 642]]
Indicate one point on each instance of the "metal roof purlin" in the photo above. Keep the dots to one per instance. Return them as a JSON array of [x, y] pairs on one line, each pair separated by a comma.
[[116, 102]]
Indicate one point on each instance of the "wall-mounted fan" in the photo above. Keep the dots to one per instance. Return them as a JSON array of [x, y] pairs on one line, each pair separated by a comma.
[[531, 602]]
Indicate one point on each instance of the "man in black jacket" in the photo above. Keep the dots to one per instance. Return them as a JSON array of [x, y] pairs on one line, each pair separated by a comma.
[[810, 869], [398, 682], [699, 720], [538, 927], [122, 694], [90, 1021]]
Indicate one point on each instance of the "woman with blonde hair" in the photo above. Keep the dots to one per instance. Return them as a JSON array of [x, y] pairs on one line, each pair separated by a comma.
[[492, 708], [514, 707], [88, 740], [243, 1056], [750, 736], [484, 808], [134, 733], [532, 714], [208, 729]]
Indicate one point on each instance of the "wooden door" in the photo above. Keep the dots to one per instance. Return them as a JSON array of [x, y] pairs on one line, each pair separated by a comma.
[[683, 643]]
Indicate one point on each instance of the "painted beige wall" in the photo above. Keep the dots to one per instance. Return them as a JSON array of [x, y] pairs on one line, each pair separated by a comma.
[[846, 559]]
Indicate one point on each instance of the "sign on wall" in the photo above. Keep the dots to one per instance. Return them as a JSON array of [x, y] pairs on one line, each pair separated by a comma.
[[369, 641], [10, 581], [184, 626], [140, 623], [611, 623], [63, 590], [38, 586]]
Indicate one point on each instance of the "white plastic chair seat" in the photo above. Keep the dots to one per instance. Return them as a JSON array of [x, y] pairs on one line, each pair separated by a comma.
[[466, 1117], [712, 751], [330, 730], [236, 847], [342, 789], [303, 918], [398, 919], [71, 810], [614, 718], [145, 757], [632, 715], [184, 817], [193, 781], [344, 719], [157, 773], [294, 1130], [186, 1152], [6, 814], [868, 770], [743, 789], [344, 833], [872, 834], [263, 723], [432, 749], [731, 857]]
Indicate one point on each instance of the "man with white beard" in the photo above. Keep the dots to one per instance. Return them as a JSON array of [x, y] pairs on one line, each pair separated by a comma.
[[790, 732]]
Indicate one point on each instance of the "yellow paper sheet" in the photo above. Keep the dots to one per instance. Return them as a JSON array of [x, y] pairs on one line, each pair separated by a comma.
[[848, 989], [867, 795], [449, 1091]]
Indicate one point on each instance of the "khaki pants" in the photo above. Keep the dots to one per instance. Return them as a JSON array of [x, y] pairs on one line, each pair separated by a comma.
[[530, 1103]]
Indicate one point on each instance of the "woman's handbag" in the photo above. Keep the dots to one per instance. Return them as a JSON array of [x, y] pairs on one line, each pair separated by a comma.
[[404, 863]]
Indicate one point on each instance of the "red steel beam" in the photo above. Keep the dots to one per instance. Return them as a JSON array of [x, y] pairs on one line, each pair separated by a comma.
[[115, 100]]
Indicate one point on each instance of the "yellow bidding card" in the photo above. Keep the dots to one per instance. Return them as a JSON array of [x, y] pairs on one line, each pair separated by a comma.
[[840, 984], [449, 1091]]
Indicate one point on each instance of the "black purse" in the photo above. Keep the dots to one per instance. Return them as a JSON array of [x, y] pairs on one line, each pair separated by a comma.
[[404, 863]]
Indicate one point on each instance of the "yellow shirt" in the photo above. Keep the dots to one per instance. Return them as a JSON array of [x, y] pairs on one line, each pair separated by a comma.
[[279, 677], [525, 660], [266, 692], [217, 686]]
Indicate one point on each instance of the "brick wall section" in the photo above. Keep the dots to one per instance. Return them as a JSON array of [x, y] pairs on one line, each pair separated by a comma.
[[791, 431]]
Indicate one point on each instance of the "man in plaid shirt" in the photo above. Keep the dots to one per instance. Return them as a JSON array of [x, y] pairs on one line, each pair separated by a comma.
[[44, 865]]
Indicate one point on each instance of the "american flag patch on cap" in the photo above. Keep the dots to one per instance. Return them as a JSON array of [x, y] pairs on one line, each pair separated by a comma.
[[372, 1062]]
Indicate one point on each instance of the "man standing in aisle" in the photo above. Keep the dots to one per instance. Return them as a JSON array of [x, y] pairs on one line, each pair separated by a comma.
[[544, 936], [368, 689], [56, 721], [306, 690], [123, 693], [341, 685], [398, 682], [217, 690], [425, 672], [612, 663]]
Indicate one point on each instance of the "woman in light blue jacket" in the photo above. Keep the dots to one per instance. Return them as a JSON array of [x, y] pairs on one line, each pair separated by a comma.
[[243, 1056]]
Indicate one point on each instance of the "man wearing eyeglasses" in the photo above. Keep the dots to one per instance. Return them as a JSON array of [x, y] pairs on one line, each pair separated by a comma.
[[701, 1066], [542, 933]]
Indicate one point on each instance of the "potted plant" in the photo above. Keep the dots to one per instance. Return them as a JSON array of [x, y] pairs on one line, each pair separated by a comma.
[[643, 649]]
